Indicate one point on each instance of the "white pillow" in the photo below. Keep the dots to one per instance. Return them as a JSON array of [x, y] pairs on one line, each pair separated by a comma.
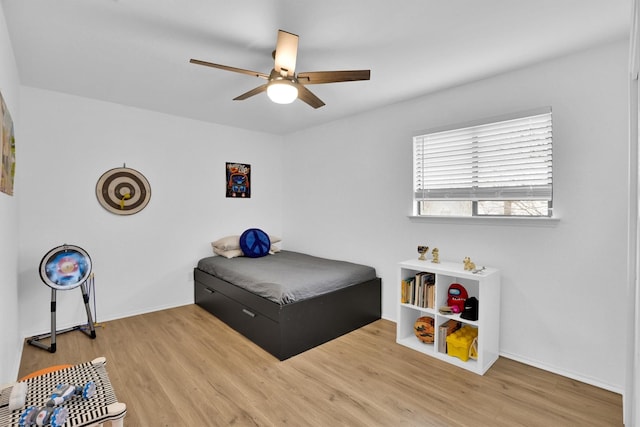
[[227, 243], [231, 253], [274, 239]]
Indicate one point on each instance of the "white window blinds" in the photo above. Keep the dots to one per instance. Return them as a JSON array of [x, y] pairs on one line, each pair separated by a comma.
[[506, 160]]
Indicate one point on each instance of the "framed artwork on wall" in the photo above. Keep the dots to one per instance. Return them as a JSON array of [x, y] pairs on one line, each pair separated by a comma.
[[238, 180], [8, 147]]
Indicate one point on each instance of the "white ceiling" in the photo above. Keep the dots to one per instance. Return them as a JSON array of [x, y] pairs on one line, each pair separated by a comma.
[[136, 52]]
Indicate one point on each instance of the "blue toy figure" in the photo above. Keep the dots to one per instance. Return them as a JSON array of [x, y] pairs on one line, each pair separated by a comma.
[[48, 415], [52, 415]]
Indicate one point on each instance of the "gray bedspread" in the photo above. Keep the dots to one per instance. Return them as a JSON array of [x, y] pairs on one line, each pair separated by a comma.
[[286, 276]]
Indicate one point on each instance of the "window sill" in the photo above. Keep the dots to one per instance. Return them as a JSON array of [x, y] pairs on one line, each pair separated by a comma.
[[502, 220]]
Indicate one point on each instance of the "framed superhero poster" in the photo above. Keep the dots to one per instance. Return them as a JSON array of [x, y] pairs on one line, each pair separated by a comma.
[[238, 180]]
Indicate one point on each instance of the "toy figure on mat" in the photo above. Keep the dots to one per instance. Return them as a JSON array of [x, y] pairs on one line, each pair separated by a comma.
[[48, 415], [64, 392], [52, 415]]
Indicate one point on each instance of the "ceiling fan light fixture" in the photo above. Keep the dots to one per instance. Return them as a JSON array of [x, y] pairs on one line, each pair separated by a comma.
[[283, 85], [282, 91]]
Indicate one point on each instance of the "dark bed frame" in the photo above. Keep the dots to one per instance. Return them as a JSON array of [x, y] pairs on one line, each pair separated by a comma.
[[290, 329]]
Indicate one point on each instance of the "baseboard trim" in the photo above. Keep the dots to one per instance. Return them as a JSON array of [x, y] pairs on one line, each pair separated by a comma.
[[574, 376], [119, 316]]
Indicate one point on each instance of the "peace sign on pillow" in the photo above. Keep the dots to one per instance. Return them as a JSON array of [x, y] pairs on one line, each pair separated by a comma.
[[255, 243]]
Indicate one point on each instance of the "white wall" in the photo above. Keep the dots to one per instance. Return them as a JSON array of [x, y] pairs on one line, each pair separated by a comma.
[[142, 262], [562, 283], [9, 338]]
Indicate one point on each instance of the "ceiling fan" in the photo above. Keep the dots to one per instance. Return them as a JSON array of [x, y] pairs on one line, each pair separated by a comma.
[[283, 85]]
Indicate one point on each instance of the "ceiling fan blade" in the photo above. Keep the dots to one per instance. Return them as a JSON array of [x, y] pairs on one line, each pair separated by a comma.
[[286, 53], [307, 96], [251, 93], [225, 67], [319, 77]]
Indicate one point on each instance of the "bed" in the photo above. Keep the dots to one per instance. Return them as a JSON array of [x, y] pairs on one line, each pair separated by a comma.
[[288, 302]]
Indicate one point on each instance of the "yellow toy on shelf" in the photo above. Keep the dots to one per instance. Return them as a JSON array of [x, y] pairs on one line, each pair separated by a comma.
[[435, 253], [460, 342], [468, 265]]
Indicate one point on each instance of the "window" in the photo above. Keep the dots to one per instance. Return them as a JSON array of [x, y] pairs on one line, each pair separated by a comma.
[[501, 168]]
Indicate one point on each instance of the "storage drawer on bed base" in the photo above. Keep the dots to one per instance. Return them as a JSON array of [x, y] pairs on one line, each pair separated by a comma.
[[250, 323], [262, 305]]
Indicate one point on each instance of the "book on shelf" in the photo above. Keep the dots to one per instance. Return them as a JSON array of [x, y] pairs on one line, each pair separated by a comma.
[[417, 294], [444, 330], [426, 292], [406, 290], [431, 294], [419, 290]]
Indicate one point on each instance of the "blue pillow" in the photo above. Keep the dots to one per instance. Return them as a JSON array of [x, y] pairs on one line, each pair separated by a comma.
[[255, 243]]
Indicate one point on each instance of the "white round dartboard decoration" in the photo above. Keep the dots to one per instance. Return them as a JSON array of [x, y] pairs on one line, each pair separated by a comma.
[[123, 191]]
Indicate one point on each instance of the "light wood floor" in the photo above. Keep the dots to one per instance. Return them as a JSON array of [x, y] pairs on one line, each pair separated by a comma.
[[184, 367]]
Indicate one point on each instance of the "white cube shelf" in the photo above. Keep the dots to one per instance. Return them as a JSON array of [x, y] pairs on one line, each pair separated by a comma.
[[484, 285]]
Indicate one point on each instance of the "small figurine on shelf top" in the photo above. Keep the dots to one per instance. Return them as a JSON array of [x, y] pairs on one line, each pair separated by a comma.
[[468, 265], [435, 253], [422, 250]]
